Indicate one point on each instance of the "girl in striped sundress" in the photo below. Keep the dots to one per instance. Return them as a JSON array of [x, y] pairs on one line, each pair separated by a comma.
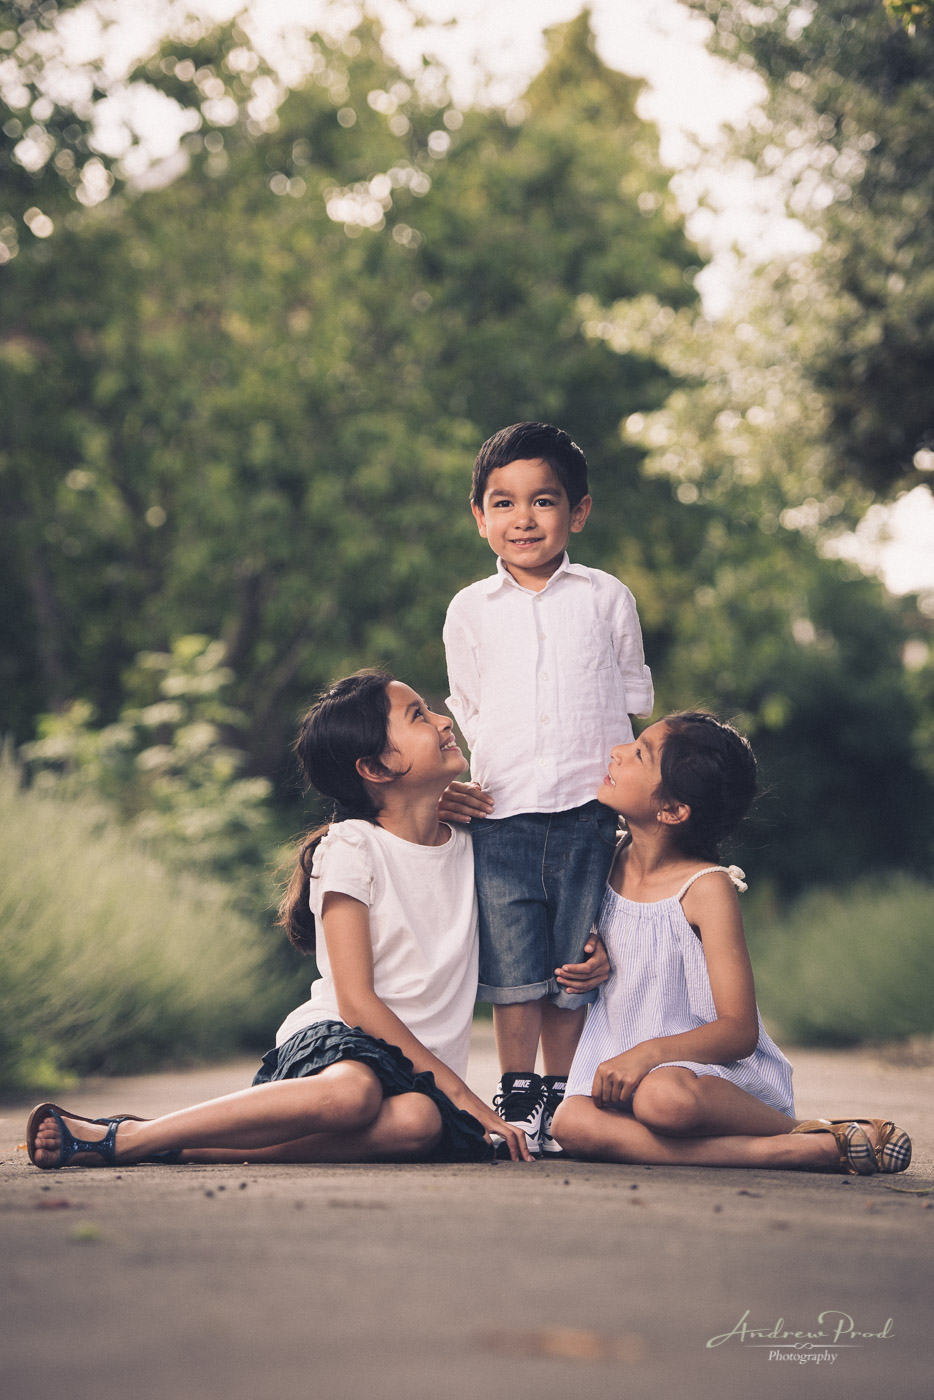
[[674, 1066]]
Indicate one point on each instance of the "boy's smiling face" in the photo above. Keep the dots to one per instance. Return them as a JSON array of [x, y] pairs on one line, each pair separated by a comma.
[[527, 519]]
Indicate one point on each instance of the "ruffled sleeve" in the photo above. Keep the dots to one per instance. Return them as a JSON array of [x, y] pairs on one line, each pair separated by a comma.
[[342, 864]]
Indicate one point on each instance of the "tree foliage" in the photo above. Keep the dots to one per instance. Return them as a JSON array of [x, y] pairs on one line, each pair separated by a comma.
[[243, 403], [911, 12], [849, 126]]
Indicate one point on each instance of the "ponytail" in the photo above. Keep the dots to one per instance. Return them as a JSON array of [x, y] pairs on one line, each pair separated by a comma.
[[350, 721], [294, 913]]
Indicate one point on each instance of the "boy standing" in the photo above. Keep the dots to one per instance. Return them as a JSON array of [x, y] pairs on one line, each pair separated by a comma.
[[545, 666]]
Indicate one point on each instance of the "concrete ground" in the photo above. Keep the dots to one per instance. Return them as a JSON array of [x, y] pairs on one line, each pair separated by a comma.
[[555, 1281]]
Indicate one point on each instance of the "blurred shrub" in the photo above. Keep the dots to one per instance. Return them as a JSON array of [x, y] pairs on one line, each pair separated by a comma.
[[110, 962], [841, 968], [168, 768]]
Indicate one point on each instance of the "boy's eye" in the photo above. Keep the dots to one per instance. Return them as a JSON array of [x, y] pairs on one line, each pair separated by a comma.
[[639, 754], [544, 501]]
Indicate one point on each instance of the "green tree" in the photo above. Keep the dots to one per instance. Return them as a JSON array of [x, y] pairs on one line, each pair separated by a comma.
[[849, 127], [246, 403], [46, 155], [805, 652], [264, 425], [911, 12]]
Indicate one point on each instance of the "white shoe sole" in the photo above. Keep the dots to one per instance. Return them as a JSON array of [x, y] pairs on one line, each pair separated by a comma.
[[535, 1147]]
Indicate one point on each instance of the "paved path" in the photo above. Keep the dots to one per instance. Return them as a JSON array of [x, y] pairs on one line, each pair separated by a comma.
[[557, 1281]]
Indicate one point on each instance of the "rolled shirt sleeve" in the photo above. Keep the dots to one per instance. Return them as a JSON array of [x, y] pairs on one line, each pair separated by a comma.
[[630, 658]]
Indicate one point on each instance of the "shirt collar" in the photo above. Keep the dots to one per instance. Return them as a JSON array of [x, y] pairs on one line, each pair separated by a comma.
[[504, 579]]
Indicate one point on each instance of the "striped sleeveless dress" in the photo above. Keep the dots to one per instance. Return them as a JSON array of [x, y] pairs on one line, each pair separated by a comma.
[[659, 986]]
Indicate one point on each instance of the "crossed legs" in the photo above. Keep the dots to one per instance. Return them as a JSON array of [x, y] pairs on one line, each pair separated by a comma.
[[679, 1118]]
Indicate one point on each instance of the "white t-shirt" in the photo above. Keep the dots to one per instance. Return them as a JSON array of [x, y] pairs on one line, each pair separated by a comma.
[[423, 927], [543, 684]]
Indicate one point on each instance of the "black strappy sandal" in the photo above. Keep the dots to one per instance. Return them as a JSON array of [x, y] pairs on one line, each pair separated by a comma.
[[105, 1147], [70, 1146]]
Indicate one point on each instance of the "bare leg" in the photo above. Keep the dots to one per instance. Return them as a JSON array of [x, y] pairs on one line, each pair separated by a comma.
[[345, 1098], [406, 1128], [680, 1103], [606, 1135], [517, 1028], [561, 1030]]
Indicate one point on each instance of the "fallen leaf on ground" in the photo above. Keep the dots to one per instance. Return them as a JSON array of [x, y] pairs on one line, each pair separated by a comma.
[[85, 1234]]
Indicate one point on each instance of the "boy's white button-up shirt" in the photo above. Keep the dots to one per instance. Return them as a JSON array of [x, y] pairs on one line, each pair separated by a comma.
[[543, 684]]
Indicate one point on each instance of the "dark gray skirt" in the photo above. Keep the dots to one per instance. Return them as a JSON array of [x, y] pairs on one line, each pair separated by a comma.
[[328, 1042]]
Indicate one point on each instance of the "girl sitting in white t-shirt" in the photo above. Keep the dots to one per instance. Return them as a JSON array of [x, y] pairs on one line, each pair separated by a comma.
[[371, 1067]]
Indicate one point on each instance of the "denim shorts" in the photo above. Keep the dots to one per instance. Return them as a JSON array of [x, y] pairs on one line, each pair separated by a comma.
[[540, 880]]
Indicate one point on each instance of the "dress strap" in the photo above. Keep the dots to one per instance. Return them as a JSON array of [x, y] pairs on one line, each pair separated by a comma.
[[736, 875]]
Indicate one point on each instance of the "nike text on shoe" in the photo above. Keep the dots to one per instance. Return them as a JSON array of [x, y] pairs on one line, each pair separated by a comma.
[[553, 1088], [519, 1102]]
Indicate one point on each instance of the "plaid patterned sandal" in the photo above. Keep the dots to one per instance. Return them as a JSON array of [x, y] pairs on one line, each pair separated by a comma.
[[857, 1157], [893, 1145]]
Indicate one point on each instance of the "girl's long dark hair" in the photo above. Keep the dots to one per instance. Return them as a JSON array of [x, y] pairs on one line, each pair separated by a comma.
[[350, 721], [711, 768]]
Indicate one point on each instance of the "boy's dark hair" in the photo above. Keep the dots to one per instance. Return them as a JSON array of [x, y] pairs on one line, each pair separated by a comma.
[[348, 722], [527, 441], [711, 768]]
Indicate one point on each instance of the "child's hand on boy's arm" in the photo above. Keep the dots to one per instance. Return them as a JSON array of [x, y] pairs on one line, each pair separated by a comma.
[[460, 802], [584, 976]]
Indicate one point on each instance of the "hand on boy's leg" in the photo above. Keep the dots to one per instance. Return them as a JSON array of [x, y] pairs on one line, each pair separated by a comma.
[[461, 802], [584, 976]]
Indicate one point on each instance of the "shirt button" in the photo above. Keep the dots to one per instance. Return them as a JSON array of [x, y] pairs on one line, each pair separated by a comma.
[[544, 719], [543, 675], [543, 636]]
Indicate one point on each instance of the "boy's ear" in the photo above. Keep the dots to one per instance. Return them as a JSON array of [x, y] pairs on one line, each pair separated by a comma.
[[579, 514], [480, 518], [674, 814]]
